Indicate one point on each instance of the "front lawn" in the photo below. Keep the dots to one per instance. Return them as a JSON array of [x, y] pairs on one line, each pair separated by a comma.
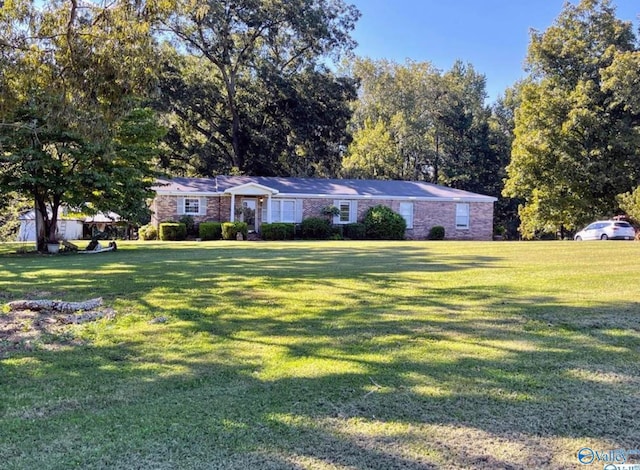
[[325, 355]]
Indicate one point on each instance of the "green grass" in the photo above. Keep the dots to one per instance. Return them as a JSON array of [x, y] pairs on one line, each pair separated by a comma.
[[328, 355]]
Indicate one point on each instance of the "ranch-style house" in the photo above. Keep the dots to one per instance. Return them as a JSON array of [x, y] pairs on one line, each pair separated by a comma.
[[257, 200]]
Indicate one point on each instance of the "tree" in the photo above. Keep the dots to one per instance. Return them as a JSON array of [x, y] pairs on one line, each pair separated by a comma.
[[577, 126], [413, 121], [73, 76], [394, 115], [12, 206], [630, 203], [372, 154], [502, 126], [253, 89]]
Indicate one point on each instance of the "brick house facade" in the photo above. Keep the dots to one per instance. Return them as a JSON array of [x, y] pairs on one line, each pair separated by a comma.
[[256, 200]]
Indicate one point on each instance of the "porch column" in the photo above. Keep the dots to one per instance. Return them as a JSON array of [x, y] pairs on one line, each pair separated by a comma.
[[269, 208], [232, 217]]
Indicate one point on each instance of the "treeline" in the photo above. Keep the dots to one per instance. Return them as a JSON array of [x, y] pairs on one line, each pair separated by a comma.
[[97, 98]]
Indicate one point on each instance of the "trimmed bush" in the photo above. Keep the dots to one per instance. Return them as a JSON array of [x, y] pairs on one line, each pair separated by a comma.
[[436, 233], [315, 228], [173, 231], [210, 230], [277, 231], [230, 230], [190, 224], [382, 223], [148, 232], [355, 231]]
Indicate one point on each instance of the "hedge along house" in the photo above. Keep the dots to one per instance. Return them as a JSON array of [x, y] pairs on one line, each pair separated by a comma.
[[257, 200]]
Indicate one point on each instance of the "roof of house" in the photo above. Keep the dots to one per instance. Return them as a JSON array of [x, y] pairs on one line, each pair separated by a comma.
[[319, 187]]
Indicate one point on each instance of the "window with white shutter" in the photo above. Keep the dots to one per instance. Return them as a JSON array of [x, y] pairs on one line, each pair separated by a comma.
[[191, 206], [348, 212]]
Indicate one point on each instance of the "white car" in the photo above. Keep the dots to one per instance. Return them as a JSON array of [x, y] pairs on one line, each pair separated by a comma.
[[607, 230]]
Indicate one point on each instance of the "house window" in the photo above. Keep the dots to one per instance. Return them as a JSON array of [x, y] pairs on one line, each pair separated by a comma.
[[345, 211], [282, 210], [288, 211], [275, 211], [191, 206], [348, 212], [406, 211], [462, 216]]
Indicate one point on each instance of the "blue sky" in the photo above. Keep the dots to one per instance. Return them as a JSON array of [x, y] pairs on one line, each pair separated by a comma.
[[493, 35]]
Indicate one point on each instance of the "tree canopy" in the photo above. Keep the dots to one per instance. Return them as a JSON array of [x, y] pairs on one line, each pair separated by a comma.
[[577, 129], [247, 88], [413, 121], [71, 131]]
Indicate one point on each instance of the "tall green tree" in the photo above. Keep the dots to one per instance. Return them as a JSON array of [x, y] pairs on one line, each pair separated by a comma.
[[371, 154], [73, 77], [502, 126], [576, 143], [249, 84], [395, 102], [436, 122]]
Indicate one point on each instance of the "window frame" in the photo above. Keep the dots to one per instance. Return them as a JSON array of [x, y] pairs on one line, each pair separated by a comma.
[[186, 206], [407, 215], [292, 212], [352, 212], [277, 212], [463, 220]]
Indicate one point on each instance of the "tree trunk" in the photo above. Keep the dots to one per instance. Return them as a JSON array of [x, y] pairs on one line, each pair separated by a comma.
[[57, 305], [41, 238]]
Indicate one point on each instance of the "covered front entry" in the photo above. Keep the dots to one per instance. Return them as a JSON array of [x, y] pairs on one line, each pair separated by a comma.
[[247, 201], [247, 212]]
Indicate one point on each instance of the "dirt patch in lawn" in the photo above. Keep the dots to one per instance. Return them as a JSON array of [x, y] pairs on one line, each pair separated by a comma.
[[26, 330]]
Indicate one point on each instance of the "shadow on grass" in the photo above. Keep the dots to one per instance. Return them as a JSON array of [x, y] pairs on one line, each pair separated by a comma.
[[362, 381], [81, 275]]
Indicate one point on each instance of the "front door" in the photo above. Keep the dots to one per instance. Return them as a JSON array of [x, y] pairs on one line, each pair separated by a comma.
[[248, 213]]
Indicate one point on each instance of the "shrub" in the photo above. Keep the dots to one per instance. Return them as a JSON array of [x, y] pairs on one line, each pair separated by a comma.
[[330, 211], [315, 228], [190, 224], [173, 231], [277, 231], [230, 230], [148, 232], [436, 233], [382, 223], [210, 230], [355, 231]]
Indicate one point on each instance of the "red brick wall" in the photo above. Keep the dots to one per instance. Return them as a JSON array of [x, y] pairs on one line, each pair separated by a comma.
[[426, 214], [165, 208]]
